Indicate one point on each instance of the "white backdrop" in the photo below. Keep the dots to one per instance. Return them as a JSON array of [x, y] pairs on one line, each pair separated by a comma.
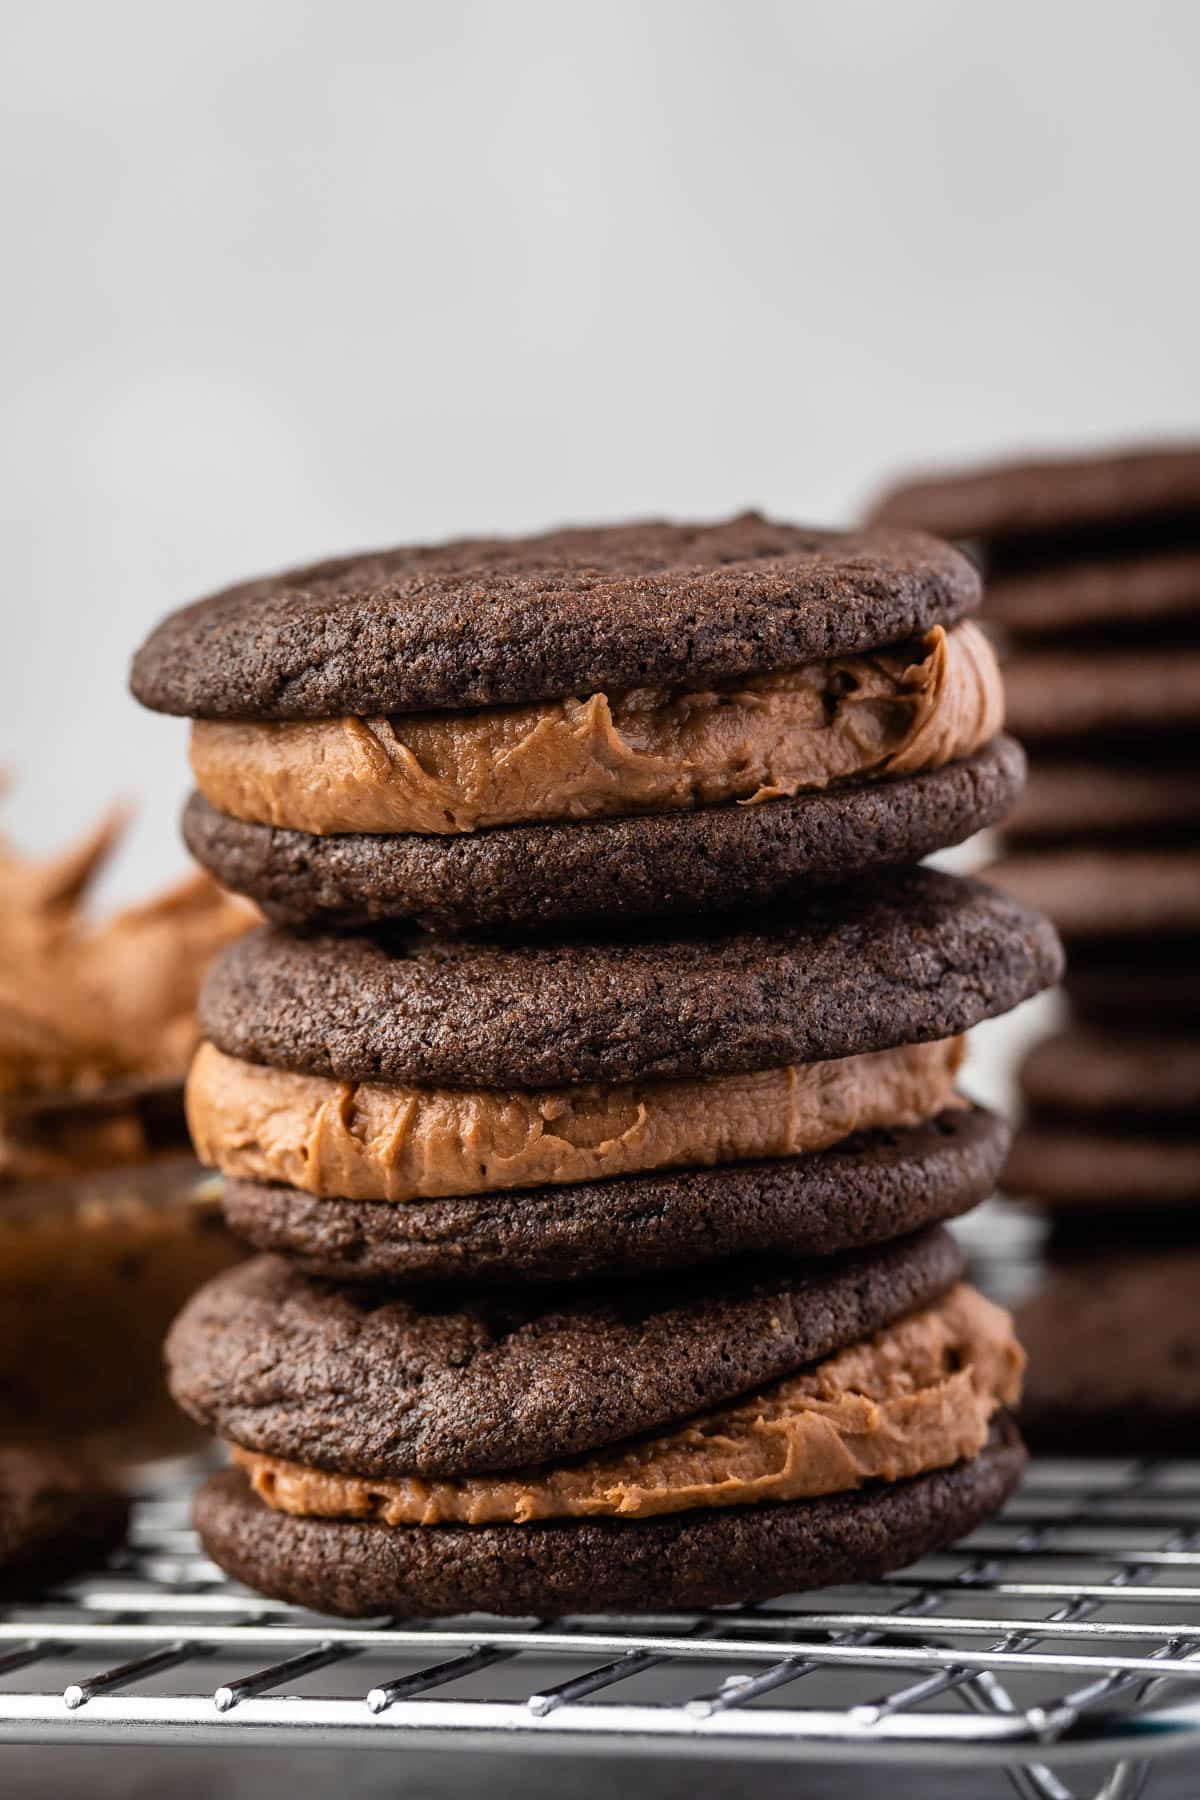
[[282, 279]]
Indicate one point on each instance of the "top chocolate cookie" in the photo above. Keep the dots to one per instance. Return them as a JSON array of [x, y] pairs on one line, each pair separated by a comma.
[[489, 621], [1157, 487]]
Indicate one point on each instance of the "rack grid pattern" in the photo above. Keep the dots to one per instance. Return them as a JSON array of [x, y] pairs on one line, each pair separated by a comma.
[[1061, 1641], [1066, 1630]]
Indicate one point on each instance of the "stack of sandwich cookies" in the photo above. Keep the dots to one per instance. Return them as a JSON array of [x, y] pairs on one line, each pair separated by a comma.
[[501, 1117], [1114, 1346], [675, 1443], [434, 1109], [1093, 569], [1110, 1147], [1094, 579], [1112, 1125], [609, 723], [603, 1261], [1094, 582]]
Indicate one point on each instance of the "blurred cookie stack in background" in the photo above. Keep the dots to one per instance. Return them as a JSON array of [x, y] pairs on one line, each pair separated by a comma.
[[1093, 590], [593, 1093], [106, 1221]]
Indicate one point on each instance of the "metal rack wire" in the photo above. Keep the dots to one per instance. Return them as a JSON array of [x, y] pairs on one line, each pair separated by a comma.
[[1063, 1635]]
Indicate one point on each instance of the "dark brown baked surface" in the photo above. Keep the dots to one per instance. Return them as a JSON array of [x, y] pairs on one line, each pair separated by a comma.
[[1049, 495], [500, 620], [1117, 595], [369, 1381], [692, 1559], [1114, 1356], [1076, 1164], [869, 1189], [918, 956], [712, 859], [1101, 1074]]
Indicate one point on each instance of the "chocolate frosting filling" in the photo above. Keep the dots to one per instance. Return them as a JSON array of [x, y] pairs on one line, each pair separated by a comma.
[[754, 738], [371, 1141], [916, 1396]]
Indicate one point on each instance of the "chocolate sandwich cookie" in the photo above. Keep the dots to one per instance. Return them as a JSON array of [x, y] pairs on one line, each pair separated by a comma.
[[1062, 509], [1111, 1124], [692, 1559], [1150, 1078], [619, 722], [437, 1385], [669, 1443], [1114, 1356], [1061, 1163], [534, 876], [57, 1519], [870, 1188], [399, 1105]]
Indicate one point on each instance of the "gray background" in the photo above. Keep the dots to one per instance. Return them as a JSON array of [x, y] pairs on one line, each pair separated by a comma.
[[288, 278]]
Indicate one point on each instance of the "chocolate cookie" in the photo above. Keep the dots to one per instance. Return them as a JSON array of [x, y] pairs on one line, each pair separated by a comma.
[[1114, 1357], [1120, 597], [57, 1519], [697, 1559], [610, 723], [920, 956], [1148, 984], [494, 620], [710, 859], [1101, 1076], [1111, 1126], [1097, 893], [870, 1189], [1073, 694], [1143, 800], [268, 1358], [1077, 504], [1068, 1165]]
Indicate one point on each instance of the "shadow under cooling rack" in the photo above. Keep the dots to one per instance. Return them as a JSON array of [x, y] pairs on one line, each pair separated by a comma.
[[1064, 1632]]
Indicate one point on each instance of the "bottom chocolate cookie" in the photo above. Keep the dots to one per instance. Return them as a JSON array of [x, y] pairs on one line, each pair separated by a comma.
[[57, 1518], [712, 1557], [710, 859], [876, 1187]]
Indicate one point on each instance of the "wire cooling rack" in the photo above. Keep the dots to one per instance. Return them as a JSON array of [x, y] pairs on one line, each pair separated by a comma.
[[1061, 1640]]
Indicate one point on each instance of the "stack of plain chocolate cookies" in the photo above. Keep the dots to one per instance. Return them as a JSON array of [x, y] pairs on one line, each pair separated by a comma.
[[591, 1094], [1093, 569]]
